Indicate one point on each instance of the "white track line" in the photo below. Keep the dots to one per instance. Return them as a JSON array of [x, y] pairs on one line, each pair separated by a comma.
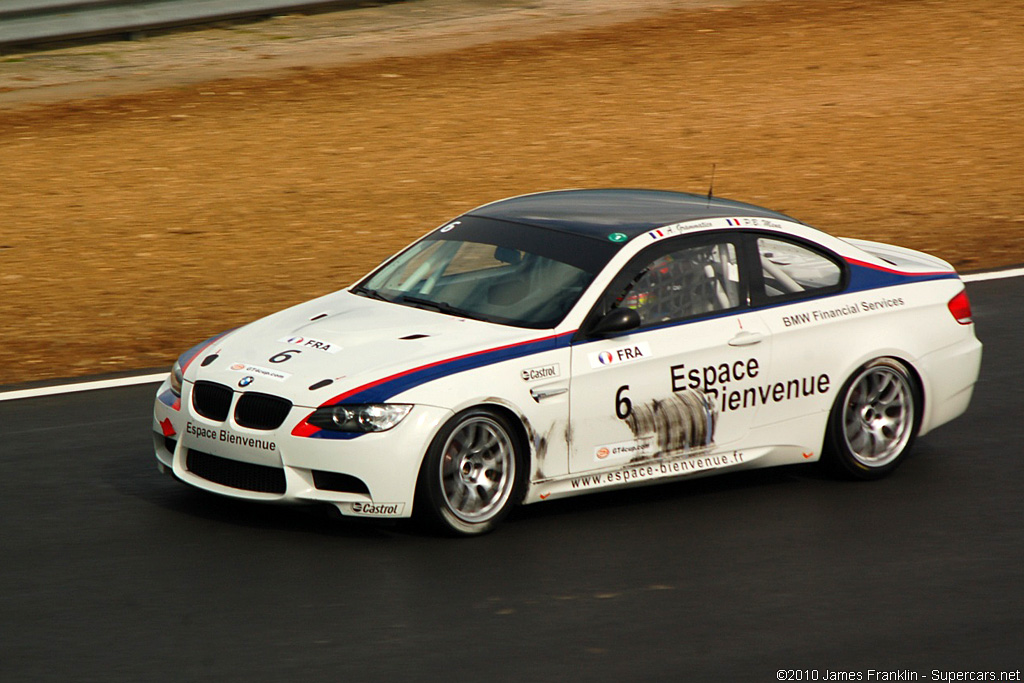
[[997, 275], [147, 379], [83, 386]]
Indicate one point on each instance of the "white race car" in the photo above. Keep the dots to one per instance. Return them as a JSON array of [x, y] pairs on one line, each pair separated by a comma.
[[567, 342]]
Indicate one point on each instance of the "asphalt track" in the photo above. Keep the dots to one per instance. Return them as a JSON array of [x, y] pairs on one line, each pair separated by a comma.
[[110, 571]]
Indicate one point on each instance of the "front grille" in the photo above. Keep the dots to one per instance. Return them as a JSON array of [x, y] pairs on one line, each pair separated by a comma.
[[261, 411], [333, 481], [237, 475], [211, 400]]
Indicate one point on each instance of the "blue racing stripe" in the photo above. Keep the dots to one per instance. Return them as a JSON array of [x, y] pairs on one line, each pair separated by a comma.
[[865, 276], [396, 385], [382, 390]]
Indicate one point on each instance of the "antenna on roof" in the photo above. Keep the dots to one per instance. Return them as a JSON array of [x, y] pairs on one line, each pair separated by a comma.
[[711, 189]]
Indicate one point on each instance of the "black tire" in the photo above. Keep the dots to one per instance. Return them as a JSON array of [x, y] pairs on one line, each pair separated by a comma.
[[874, 421], [472, 475]]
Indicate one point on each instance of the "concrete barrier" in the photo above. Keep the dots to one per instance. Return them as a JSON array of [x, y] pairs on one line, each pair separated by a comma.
[[30, 22]]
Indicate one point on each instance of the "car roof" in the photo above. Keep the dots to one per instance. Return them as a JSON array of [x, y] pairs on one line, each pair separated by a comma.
[[597, 213]]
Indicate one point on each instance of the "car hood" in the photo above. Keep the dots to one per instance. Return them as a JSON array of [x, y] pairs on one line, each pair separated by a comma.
[[336, 344]]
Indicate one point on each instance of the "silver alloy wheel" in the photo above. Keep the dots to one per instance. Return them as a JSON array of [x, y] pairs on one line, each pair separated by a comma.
[[478, 467], [878, 415]]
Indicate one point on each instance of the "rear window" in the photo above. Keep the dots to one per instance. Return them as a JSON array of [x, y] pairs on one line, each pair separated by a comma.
[[791, 270]]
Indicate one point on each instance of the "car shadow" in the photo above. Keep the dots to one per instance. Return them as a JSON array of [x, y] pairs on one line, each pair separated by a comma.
[[138, 477]]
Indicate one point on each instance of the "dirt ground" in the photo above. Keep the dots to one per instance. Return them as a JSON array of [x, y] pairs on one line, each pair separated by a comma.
[[155, 192]]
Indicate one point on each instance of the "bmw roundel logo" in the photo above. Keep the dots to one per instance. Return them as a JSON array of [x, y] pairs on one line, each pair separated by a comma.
[[605, 357], [246, 381]]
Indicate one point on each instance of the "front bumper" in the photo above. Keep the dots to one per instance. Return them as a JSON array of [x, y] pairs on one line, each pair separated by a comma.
[[371, 475]]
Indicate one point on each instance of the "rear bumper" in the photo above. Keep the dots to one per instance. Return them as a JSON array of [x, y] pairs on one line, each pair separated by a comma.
[[951, 374]]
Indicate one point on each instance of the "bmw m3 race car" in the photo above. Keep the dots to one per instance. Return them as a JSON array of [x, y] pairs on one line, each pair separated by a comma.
[[568, 342]]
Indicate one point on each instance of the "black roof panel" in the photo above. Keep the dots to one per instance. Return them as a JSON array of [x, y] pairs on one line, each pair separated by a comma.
[[598, 213]]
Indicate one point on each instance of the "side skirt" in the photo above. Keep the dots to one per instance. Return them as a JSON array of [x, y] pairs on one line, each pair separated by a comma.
[[663, 469]]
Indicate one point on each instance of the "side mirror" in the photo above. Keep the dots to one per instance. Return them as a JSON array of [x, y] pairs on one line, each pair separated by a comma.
[[616, 320]]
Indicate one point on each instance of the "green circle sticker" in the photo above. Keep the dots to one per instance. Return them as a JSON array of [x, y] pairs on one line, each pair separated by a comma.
[[618, 237]]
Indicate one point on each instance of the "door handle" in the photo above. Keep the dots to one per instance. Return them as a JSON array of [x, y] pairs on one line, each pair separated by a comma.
[[746, 338]]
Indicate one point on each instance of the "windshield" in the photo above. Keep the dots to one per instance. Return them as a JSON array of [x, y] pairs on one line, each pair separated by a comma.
[[488, 270]]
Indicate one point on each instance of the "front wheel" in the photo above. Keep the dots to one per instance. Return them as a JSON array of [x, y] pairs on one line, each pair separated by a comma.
[[874, 420], [472, 474]]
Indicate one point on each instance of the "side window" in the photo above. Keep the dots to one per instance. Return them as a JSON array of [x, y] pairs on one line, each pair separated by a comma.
[[791, 270], [692, 281]]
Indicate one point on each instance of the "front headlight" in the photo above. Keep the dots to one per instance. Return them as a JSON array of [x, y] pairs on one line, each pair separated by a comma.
[[178, 369], [177, 377], [365, 417]]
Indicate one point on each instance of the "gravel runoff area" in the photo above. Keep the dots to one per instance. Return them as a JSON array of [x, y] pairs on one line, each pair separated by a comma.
[[157, 191]]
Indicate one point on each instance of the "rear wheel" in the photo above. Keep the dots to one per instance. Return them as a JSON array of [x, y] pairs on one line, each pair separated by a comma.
[[874, 420], [473, 473]]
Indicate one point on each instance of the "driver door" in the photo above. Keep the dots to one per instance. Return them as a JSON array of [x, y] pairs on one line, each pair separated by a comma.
[[672, 386]]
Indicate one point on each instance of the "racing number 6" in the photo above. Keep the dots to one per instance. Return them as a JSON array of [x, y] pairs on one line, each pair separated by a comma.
[[623, 406], [283, 356]]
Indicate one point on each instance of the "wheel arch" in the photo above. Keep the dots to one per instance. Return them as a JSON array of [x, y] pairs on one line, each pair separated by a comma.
[[506, 418], [519, 422], [919, 385], [919, 392], [837, 454]]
